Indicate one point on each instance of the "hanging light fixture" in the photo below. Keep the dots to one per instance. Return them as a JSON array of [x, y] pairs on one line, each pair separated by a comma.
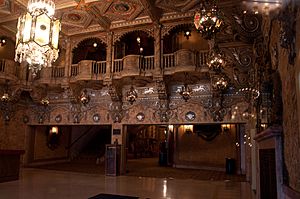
[[208, 20], [185, 92], [216, 60], [220, 83], [131, 95], [84, 97], [37, 36]]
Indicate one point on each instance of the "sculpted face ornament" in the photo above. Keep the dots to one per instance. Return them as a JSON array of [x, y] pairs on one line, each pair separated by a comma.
[[131, 95]]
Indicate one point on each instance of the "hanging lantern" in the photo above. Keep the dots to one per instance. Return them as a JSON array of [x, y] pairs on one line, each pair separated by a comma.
[[208, 20], [37, 36]]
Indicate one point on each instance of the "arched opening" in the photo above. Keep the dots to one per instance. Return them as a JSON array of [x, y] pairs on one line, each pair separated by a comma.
[[183, 36], [134, 43], [89, 49]]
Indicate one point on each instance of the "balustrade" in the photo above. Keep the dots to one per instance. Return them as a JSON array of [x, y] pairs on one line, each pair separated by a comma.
[[58, 72], [118, 65], [74, 70], [99, 67], [146, 63], [168, 61]]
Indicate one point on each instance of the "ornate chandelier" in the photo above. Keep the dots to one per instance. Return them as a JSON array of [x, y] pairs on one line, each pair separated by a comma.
[[208, 20], [220, 83], [216, 60], [37, 36]]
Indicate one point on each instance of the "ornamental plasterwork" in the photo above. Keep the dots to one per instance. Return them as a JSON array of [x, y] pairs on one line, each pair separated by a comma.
[[118, 35]]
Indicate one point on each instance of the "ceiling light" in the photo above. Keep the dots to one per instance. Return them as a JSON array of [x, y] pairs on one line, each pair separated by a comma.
[[208, 20], [37, 35]]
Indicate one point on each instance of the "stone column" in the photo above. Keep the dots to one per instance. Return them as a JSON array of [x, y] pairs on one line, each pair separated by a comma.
[[109, 56], [68, 60], [157, 49]]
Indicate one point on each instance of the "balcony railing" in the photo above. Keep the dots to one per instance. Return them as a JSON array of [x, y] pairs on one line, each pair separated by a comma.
[[117, 66], [99, 67], [146, 63], [129, 65], [74, 70], [2, 65], [168, 60], [58, 72]]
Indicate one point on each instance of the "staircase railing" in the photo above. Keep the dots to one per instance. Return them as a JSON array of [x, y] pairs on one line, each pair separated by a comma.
[[80, 137]]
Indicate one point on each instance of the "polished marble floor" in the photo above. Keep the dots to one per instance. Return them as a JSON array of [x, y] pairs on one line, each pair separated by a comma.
[[50, 184]]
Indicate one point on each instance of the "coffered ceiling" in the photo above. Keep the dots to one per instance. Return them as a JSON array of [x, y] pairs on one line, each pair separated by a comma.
[[82, 16]]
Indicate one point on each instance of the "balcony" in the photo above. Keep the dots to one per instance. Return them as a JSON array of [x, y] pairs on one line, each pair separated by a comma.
[[131, 65], [8, 69]]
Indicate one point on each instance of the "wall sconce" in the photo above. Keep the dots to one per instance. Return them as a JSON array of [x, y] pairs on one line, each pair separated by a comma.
[[188, 128], [187, 34], [2, 42], [226, 128], [54, 130], [84, 97], [171, 128], [95, 45], [131, 95], [45, 101]]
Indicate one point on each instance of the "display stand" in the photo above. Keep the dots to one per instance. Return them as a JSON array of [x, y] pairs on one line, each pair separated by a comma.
[[112, 159]]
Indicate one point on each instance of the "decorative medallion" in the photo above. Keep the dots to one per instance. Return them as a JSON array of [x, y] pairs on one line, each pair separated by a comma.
[[25, 119], [121, 7], [140, 116], [96, 117], [58, 118], [190, 116]]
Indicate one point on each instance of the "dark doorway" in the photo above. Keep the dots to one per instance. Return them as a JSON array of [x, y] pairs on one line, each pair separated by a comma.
[[267, 173]]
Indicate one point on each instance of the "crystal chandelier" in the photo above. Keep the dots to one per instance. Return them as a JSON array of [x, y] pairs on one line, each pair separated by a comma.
[[37, 36], [131, 95], [208, 20]]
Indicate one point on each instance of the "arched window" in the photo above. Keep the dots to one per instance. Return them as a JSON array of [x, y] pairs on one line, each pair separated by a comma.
[[89, 49]]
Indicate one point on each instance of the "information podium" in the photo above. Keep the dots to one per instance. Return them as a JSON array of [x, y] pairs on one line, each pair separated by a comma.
[[112, 159]]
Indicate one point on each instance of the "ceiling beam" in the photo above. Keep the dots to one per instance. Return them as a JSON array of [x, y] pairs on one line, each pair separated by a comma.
[[152, 11], [104, 22]]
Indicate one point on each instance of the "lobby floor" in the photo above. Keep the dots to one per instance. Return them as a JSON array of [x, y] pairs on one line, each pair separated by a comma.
[[51, 184]]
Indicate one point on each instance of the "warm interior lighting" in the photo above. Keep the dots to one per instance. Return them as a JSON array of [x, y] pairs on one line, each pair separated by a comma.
[[263, 6], [84, 97], [208, 20], [220, 83], [225, 128], [37, 35], [54, 130], [171, 128], [188, 128], [2, 42], [5, 97], [187, 34]]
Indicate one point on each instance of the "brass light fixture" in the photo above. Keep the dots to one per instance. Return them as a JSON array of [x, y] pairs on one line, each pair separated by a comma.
[[220, 83], [185, 92], [216, 60], [84, 97], [131, 95], [37, 35], [208, 20]]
